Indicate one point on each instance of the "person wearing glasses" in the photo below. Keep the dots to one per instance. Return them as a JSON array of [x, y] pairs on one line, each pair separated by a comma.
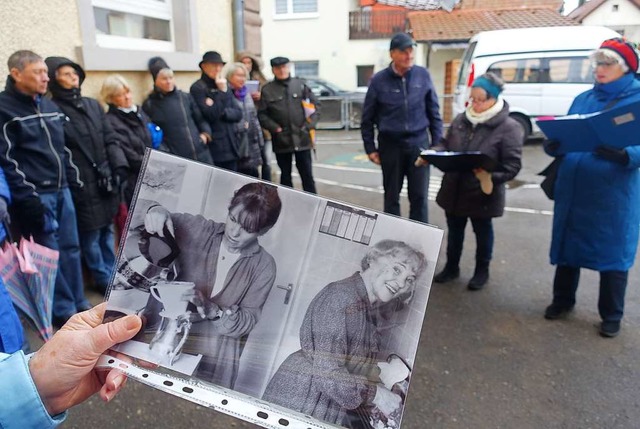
[[478, 195], [597, 197]]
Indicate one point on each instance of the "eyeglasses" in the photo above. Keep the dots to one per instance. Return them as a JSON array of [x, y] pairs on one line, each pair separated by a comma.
[[476, 101]]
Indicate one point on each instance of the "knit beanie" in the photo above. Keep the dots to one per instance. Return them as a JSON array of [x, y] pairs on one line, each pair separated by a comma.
[[492, 88], [624, 49], [155, 65]]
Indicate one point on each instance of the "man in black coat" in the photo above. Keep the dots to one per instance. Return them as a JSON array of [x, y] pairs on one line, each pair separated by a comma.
[[282, 114], [39, 171], [101, 163], [218, 106]]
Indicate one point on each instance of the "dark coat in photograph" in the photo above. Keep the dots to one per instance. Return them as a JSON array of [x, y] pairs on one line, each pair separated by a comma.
[[501, 138], [181, 122], [87, 132], [281, 107], [222, 113], [134, 137]]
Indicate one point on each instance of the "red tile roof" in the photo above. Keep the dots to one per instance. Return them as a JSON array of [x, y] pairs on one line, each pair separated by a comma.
[[461, 24], [583, 11]]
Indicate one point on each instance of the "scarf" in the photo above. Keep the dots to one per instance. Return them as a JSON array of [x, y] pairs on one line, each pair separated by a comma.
[[133, 109], [240, 93], [480, 118]]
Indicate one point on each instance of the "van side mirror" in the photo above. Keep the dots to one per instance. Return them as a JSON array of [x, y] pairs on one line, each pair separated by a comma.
[[324, 93]]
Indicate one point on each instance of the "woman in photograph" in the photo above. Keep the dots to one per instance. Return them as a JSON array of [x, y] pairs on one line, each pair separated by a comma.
[[336, 368], [248, 129], [597, 197], [130, 123], [232, 273], [478, 195]]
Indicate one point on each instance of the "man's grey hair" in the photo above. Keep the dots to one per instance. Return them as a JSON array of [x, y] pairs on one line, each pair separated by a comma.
[[20, 59]]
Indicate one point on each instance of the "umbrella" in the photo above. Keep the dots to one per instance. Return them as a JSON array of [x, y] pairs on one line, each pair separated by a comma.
[[29, 273]]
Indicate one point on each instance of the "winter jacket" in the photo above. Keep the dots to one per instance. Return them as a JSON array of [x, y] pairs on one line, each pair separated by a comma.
[[134, 137], [250, 132], [24, 409], [222, 113], [597, 202], [181, 122], [402, 108], [32, 151], [87, 132], [281, 107], [501, 138]]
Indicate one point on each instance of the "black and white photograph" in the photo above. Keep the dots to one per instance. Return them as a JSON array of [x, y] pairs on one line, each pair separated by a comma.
[[311, 305]]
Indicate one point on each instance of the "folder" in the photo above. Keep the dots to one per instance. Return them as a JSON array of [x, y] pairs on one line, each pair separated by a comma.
[[618, 127], [460, 161], [252, 86]]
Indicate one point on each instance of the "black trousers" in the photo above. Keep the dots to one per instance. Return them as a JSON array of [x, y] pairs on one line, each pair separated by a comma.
[[613, 286], [303, 164], [483, 229]]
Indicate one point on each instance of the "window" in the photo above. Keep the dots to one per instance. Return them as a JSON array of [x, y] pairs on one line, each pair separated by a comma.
[[117, 34], [306, 68], [296, 8], [365, 73], [544, 70]]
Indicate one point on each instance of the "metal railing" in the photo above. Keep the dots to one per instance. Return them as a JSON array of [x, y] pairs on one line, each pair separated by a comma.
[[376, 25]]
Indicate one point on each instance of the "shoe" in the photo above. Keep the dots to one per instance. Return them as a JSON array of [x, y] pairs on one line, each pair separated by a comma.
[[479, 279], [557, 311], [447, 275], [609, 329]]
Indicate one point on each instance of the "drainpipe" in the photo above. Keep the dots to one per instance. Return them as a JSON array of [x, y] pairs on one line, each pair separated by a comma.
[[238, 25], [428, 54]]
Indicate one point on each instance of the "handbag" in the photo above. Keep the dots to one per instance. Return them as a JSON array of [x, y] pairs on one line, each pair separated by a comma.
[[550, 174], [103, 171]]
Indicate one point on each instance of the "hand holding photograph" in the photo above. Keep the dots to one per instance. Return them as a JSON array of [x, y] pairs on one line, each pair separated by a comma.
[[304, 309]]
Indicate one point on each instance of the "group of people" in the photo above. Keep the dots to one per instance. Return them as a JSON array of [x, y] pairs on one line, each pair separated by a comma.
[[596, 215]]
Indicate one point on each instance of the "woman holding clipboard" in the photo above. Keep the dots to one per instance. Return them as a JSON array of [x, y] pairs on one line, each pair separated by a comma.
[[477, 194]]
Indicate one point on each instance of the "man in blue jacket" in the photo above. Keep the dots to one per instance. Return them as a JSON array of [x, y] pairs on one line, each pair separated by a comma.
[[402, 104], [39, 171]]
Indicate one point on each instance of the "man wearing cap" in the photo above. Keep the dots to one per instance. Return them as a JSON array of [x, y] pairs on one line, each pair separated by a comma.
[[282, 114], [596, 215], [402, 105], [219, 108]]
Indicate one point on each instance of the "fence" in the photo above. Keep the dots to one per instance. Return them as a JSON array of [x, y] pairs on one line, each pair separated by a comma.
[[346, 112]]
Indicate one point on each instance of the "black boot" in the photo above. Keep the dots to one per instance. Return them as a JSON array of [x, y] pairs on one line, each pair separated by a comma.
[[480, 276], [447, 274]]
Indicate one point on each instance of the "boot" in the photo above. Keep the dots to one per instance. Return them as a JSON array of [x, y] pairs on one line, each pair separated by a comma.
[[480, 276], [447, 274]]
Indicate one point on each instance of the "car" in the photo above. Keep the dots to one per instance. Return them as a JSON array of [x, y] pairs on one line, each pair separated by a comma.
[[340, 108]]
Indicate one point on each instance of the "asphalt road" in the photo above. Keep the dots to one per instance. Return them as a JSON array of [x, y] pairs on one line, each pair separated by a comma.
[[486, 359]]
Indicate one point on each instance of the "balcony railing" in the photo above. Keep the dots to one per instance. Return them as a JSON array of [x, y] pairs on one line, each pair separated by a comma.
[[376, 25]]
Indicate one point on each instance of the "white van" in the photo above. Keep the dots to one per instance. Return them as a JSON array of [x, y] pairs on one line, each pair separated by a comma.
[[544, 68]]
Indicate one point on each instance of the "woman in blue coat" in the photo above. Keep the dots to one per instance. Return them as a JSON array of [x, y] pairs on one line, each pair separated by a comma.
[[597, 197]]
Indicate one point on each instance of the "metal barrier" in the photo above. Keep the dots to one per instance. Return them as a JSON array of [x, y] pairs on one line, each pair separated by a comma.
[[346, 111]]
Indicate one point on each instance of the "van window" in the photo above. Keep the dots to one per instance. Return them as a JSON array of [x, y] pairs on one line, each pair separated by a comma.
[[544, 70]]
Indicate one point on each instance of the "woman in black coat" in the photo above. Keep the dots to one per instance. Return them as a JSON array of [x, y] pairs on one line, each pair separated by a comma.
[[131, 125], [185, 132], [478, 195], [101, 163]]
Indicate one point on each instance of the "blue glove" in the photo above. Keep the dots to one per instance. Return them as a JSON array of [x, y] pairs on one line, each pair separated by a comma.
[[156, 135]]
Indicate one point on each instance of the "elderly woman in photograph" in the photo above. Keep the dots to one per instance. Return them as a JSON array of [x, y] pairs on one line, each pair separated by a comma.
[[597, 197], [232, 273], [336, 368]]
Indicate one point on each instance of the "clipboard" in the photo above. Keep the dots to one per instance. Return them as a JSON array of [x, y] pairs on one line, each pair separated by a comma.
[[448, 161], [618, 127]]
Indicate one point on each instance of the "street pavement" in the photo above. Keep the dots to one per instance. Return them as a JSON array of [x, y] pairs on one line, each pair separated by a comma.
[[487, 359]]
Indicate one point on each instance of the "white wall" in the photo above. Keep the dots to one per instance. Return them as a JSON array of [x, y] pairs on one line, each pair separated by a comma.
[[627, 17]]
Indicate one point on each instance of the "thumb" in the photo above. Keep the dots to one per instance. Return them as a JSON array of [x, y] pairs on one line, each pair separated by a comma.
[[109, 334]]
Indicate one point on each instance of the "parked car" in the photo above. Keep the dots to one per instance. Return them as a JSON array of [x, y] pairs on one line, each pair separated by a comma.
[[340, 108]]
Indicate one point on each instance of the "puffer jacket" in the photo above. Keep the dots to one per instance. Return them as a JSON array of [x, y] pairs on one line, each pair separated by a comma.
[[249, 129], [135, 138], [281, 107], [501, 138], [32, 151], [222, 113], [87, 132], [181, 122]]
